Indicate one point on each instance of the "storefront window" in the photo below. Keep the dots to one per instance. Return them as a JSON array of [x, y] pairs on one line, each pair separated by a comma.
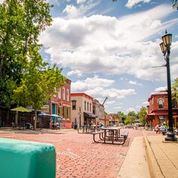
[[87, 106]]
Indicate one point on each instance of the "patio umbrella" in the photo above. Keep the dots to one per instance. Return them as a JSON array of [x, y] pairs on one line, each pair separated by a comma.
[[56, 118], [55, 115], [21, 109], [43, 114]]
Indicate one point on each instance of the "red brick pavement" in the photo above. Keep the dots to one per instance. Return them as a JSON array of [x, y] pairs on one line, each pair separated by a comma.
[[79, 157]]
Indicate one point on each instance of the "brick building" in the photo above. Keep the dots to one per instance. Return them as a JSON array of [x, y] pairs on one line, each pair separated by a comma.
[[158, 109], [59, 104]]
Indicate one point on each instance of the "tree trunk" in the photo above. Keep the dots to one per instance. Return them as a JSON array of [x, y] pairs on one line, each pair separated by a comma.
[[16, 119], [35, 119]]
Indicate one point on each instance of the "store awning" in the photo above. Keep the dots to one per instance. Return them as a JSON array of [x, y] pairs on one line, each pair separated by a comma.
[[50, 115], [89, 115]]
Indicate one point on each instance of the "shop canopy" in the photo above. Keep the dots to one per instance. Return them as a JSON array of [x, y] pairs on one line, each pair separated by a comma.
[[89, 115], [54, 116]]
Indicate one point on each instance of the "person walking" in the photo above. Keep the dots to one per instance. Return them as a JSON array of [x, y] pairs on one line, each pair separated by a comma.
[[157, 129]]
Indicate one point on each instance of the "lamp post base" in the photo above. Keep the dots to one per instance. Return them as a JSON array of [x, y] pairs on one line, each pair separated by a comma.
[[170, 136]]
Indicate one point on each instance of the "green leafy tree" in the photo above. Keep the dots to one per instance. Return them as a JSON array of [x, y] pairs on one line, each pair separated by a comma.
[[175, 90], [121, 116], [142, 115], [38, 84], [130, 118], [21, 22]]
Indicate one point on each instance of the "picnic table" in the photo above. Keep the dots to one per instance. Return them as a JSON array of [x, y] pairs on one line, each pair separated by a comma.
[[87, 129], [110, 135]]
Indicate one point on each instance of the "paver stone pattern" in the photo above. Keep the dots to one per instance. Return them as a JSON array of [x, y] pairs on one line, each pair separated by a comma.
[[78, 156]]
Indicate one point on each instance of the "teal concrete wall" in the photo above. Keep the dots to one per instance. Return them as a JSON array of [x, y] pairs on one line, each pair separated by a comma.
[[23, 159]]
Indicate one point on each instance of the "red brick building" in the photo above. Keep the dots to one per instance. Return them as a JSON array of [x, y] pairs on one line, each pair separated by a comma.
[[60, 104], [158, 109]]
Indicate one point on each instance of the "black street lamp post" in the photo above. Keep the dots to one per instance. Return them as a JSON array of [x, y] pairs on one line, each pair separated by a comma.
[[165, 48]]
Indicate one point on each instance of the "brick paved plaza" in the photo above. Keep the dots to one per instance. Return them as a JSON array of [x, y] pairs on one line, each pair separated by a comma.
[[78, 156]]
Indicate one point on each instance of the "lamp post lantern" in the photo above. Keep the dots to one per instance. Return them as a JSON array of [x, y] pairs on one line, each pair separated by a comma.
[[165, 48]]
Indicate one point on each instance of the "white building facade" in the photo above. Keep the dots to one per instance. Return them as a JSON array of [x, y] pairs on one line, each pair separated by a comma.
[[81, 109]]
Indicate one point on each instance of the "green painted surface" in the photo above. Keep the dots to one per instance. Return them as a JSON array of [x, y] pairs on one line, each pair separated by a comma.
[[54, 111], [23, 159], [53, 108]]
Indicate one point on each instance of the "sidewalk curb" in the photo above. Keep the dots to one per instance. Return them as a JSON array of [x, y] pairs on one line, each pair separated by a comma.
[[153, 165], [136, 154]]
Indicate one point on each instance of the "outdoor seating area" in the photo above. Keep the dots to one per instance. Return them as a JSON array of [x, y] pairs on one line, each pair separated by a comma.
[[111, 135], [88, 129]]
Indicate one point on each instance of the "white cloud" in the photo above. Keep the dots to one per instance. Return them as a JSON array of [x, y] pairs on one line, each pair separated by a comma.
[[81, 1], [111, 92], [161, 89], [132, 3], [135, 83], [100, 88], [132, 82], [83, 8], [1, 1], [91, 83], [56, 2], [131, 109], [71, 11], [74, 72], [145, 103], [123, 78], [117, 107], [103, 44]]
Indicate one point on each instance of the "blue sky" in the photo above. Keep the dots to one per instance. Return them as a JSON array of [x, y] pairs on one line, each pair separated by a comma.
[[108, 49]]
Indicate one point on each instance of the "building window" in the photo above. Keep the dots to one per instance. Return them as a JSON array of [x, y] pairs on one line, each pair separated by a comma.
[[161, 103], [90, 107], [74, 102], [85, 105], [94, 110], [59, 93], [63, 94], [67, 94]]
